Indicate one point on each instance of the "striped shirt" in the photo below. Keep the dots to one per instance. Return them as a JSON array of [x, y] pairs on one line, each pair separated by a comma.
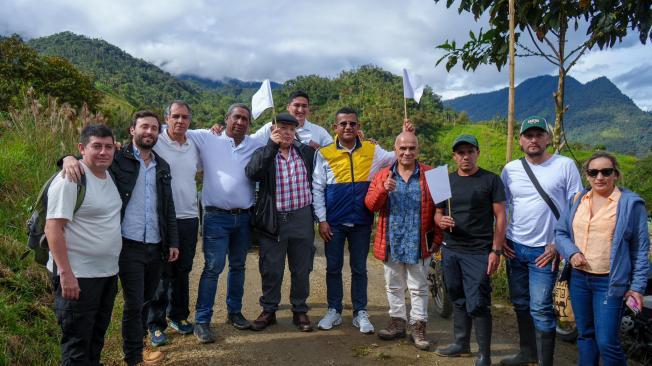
[[292, 185]]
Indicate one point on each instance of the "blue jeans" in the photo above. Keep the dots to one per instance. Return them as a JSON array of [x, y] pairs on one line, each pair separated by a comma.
[[597, 316], [530, 287], [358, 237], [224, 234]]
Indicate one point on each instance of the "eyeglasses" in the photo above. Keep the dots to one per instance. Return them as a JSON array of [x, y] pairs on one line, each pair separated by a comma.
[[350, 123], [607, 172]]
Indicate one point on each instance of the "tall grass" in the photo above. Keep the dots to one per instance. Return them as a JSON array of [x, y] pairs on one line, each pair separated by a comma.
[[31, 140]]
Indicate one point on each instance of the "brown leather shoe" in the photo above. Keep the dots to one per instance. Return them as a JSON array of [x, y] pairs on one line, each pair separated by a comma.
[[151, 357], [395, 329], [264, 320], [302, 321]]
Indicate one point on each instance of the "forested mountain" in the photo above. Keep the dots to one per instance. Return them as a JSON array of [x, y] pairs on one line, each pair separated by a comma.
[[599, 114]]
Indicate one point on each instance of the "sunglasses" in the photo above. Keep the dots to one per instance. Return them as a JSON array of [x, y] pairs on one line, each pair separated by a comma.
[[350, 123], [607, 172]]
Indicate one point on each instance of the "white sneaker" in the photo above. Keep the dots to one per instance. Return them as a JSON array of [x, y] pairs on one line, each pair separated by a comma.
[[362, 321], [330, 320]]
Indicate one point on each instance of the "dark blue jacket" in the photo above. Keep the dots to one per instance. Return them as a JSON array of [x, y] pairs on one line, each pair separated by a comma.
[[628, 268]]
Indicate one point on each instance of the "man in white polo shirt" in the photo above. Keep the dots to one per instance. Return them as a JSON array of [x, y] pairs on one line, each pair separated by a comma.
[[227, 196], [84, 250], [172, 298], [309, 133]]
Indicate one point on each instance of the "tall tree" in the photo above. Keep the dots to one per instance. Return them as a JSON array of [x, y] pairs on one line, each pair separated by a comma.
[[546, 23]]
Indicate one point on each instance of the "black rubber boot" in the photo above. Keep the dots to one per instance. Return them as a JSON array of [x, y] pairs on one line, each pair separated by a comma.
[[483, 337], [462, 333], [546, 347], [527, 354]]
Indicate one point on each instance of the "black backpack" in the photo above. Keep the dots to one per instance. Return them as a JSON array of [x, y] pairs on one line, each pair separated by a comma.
[[36, 240]]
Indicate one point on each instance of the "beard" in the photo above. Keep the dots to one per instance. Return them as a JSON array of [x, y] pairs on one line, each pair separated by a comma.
[[139, 141]]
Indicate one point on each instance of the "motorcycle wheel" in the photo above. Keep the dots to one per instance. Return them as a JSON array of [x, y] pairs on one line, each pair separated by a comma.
[[441, 303], [566, 331]]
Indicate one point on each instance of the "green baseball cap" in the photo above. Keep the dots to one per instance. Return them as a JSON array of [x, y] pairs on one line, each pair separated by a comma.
[[465, 139], [533, 122]]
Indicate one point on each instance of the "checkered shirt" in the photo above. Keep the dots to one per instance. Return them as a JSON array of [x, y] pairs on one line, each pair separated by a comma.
[[292, 185]]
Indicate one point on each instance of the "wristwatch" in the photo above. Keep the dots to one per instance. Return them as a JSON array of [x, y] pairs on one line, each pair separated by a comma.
[[498, 252]]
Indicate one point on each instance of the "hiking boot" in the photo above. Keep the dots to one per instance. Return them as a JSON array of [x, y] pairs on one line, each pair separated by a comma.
[[395, 329], [418, 336], [361, 321], [204, 333], [264, 320], [330, 320], [302, 321], [182, 326], [239, 321], [462, 333], [151, 357], [527, 354], [157, 337]]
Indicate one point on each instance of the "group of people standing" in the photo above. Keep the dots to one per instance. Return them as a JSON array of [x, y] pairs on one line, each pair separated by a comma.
[[139, 222]]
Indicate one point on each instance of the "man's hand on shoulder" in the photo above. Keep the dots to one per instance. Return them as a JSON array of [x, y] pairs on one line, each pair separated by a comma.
[[217, 129], [72, 169]]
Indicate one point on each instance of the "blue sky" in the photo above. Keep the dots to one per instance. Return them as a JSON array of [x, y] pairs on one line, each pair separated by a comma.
[[279, 40]]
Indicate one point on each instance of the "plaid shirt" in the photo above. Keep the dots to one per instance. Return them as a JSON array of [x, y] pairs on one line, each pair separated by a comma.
[[292, 185]]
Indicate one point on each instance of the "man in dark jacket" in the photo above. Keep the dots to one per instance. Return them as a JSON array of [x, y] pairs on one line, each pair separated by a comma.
[[149, 227], [283, 216]]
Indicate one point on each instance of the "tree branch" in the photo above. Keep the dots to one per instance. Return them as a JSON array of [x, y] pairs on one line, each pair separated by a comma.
[[584, 48], [543, 54]]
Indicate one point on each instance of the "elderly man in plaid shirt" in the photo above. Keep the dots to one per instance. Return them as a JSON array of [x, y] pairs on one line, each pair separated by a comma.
[[283, 216]]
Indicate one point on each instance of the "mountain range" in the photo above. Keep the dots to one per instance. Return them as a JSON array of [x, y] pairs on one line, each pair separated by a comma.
[[598, 112]]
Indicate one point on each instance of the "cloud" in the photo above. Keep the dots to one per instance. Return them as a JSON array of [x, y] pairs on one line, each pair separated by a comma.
[[259, 39]]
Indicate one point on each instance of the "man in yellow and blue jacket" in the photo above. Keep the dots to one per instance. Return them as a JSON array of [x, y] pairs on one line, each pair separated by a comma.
[[343, 171]]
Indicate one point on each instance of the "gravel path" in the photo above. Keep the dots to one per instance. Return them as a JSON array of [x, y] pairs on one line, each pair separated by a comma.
[[283, 344]]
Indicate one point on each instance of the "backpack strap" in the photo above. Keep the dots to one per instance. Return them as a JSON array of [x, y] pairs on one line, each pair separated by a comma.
[[539, 189]]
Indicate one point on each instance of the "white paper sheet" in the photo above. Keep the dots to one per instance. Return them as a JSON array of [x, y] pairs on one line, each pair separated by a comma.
[[439, 184]]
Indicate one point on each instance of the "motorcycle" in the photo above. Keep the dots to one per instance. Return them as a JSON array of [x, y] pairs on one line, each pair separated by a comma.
[[635, 329], [442, 305]]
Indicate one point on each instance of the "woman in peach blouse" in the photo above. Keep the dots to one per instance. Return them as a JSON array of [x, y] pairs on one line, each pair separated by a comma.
[[605, 238]]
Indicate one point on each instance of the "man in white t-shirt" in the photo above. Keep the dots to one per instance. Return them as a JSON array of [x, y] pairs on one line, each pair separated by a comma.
[[309, 133], [171, 300], [532, 257], [85, 247]]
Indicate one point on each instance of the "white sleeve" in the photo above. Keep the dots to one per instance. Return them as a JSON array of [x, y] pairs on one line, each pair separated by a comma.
[[383, 158], [319, 187], [504, 176], [262, 133], [324, 137], [198, 137], [62, 197], [573, 181]]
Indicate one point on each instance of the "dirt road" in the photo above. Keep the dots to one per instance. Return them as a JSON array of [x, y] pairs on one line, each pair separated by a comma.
[[283, 344]]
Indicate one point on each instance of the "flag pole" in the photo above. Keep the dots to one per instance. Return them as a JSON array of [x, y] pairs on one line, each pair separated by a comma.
[[405, 108]]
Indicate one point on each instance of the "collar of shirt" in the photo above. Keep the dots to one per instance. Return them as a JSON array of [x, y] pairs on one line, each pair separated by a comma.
[[167, 139], [241, 145], [140, 158], [358, 144], [614, 196], [414, 173], [291, 155]]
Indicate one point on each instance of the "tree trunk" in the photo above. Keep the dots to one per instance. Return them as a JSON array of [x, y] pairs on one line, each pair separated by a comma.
[[558, 130], [510, 103]]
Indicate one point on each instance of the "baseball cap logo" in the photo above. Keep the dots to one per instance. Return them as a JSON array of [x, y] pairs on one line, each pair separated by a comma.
[[533, 121]]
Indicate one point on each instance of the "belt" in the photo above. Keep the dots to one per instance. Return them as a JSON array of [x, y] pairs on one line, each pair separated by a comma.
[[234, 211], [284, 216]]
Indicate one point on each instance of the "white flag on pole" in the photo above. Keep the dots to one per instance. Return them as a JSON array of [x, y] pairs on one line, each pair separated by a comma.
[[439, 184], [412, 86], [262, 99]]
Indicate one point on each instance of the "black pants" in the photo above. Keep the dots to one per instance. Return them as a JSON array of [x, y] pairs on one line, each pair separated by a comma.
[[296, 237], [172, 298], [84, 321], [467, 283], [140, 271]]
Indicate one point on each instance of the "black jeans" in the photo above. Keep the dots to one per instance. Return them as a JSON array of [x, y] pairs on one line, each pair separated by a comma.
[[467, 282], [140, 271], [84, 321], [295, 240], [171, 298]]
